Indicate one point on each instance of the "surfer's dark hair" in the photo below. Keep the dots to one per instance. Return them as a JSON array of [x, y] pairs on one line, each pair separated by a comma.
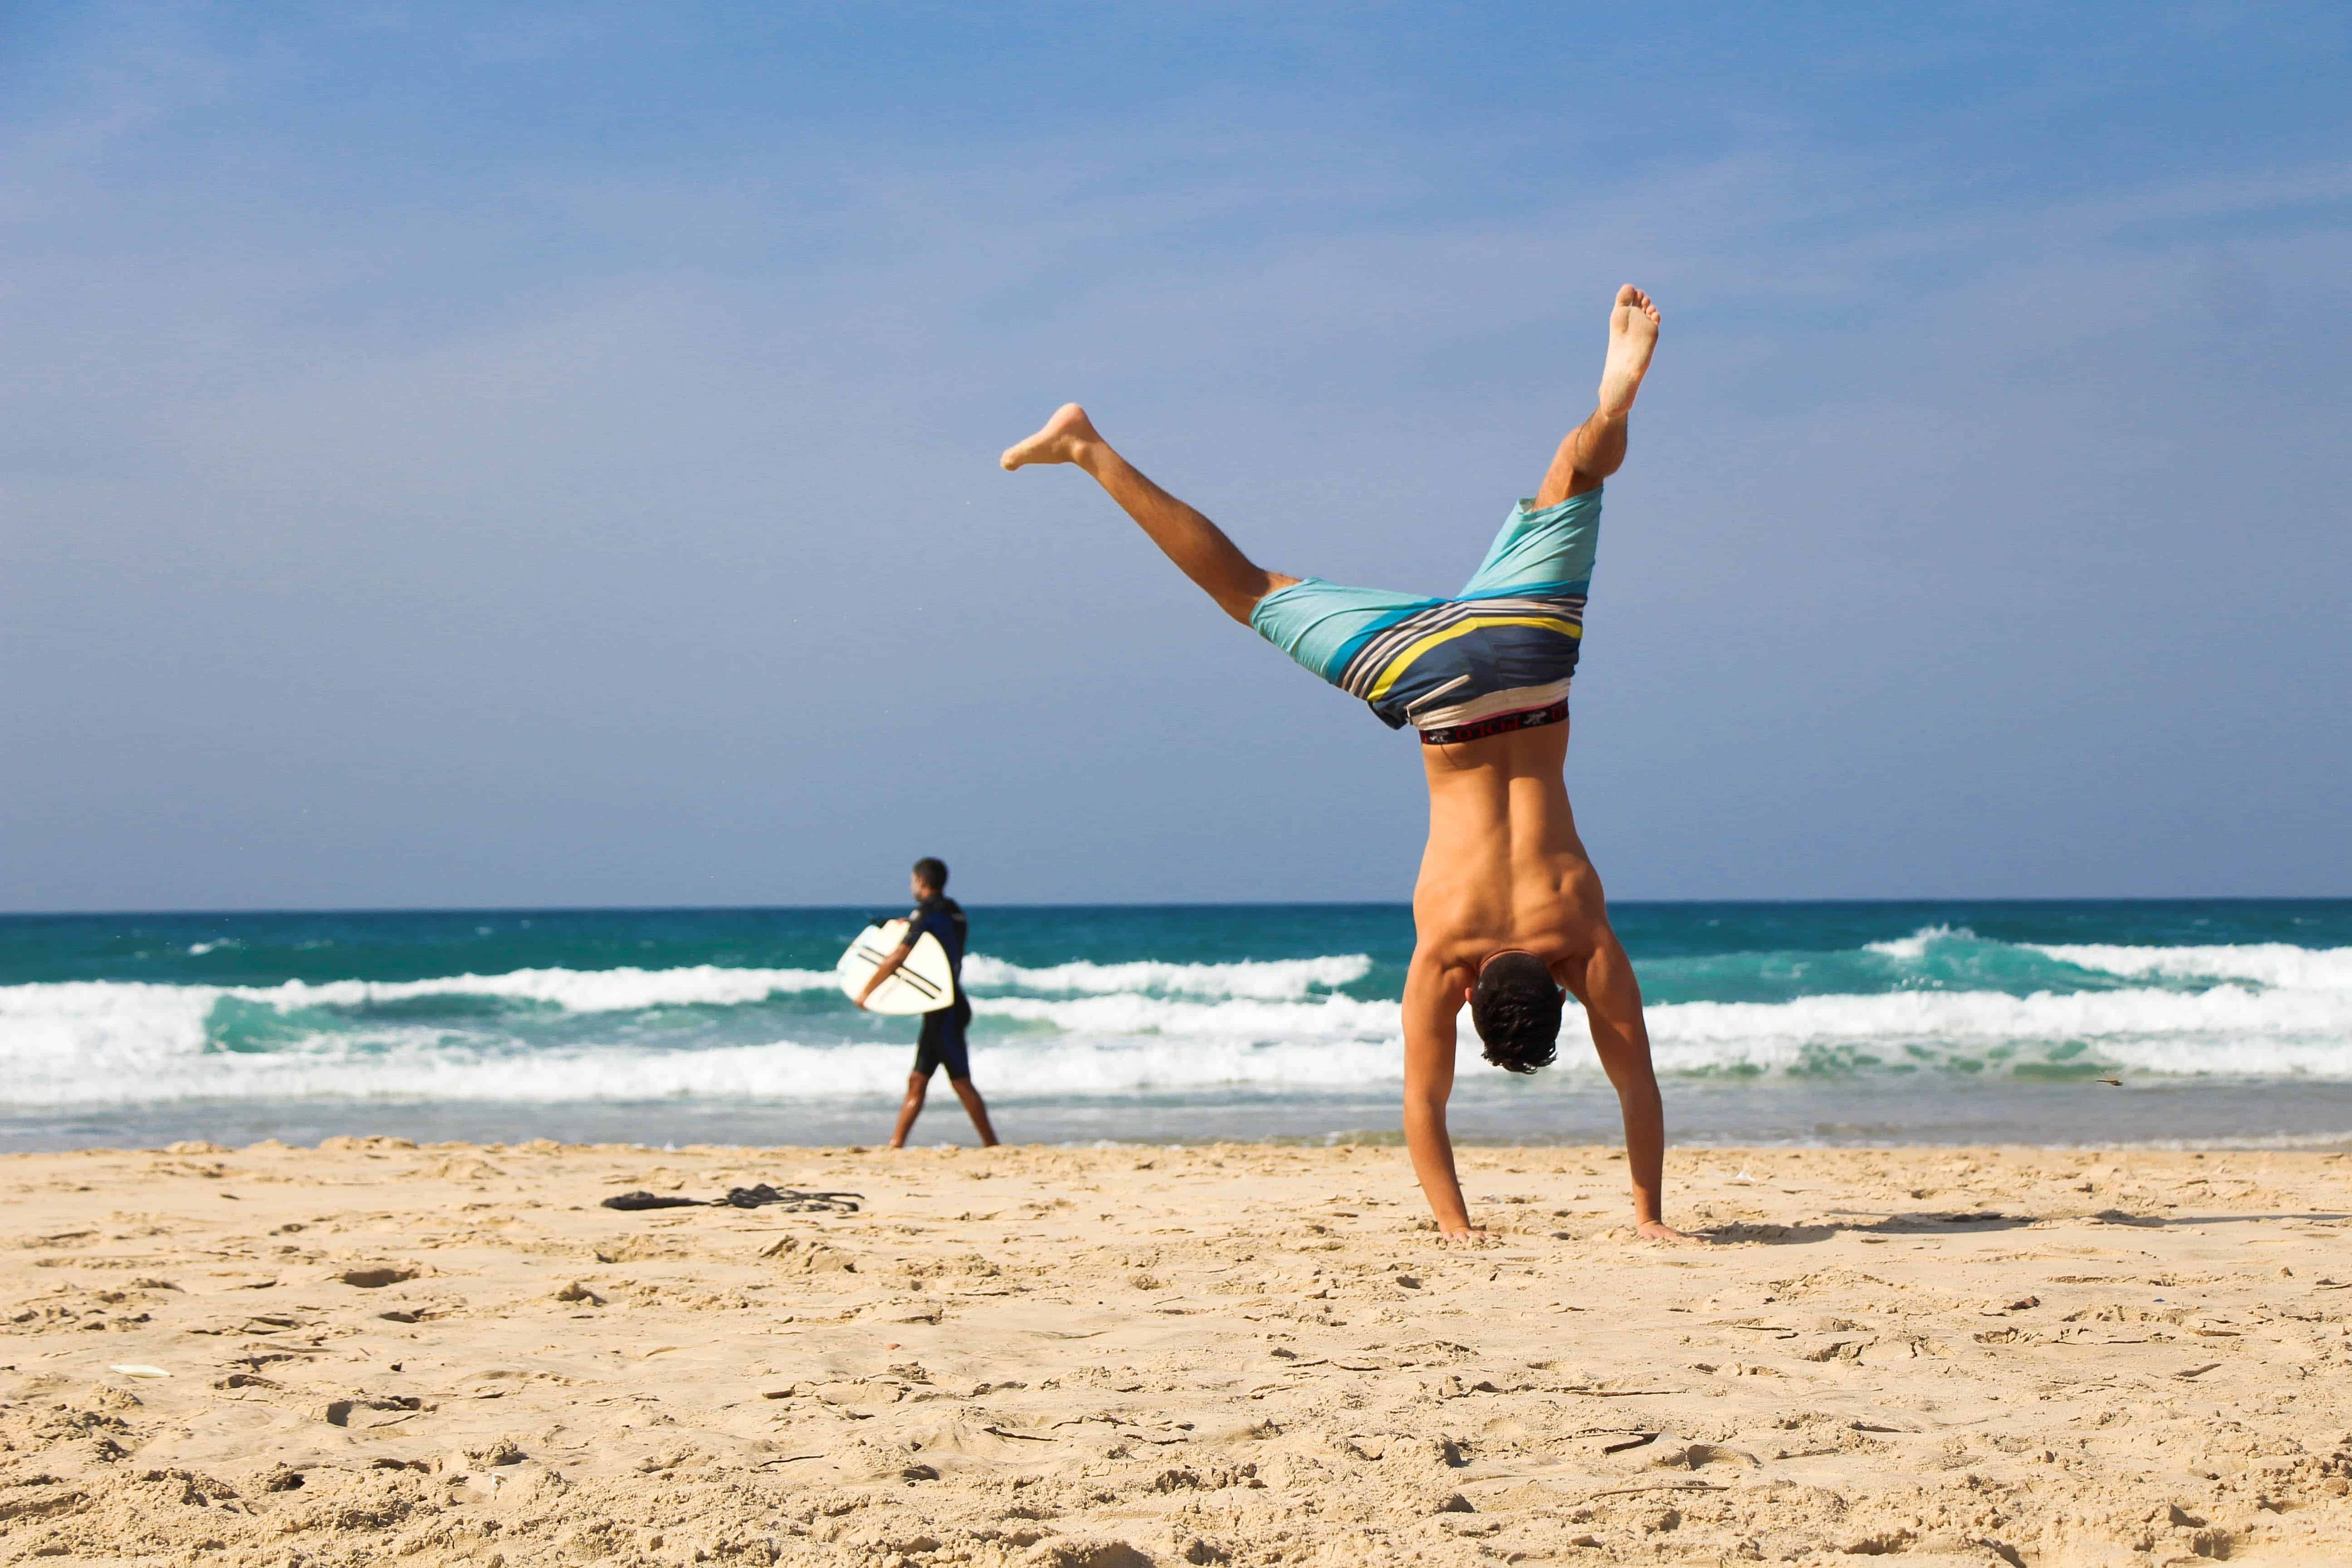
[[1516, 1006], [934, 873]]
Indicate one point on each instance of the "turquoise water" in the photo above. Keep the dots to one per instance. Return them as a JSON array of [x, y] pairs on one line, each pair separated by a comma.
[[2225, 1021]]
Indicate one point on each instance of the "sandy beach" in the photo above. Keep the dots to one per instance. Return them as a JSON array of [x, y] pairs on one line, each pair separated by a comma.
[[373, 1351]]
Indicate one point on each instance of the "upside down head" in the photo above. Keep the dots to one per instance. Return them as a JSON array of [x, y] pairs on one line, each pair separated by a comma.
[[1516, 1006]]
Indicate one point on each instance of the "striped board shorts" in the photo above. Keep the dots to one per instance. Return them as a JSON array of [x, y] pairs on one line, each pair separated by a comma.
[[1498, 656]]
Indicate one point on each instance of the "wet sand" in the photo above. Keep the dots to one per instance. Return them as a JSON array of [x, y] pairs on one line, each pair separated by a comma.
[[379, 1352]]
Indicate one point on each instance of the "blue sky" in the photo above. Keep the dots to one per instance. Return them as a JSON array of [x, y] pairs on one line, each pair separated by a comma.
[[484, 455]]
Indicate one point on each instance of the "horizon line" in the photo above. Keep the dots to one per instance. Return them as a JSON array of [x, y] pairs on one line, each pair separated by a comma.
[[263, 910]]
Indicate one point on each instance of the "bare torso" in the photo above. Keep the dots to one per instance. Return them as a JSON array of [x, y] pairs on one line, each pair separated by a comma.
[[1504, 868]]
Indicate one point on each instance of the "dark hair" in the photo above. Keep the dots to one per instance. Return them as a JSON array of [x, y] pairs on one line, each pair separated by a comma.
[[1516, 1006], [934, 873]]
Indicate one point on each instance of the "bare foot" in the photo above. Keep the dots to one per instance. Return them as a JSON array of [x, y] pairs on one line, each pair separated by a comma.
[[1659, 1230], [1633, 338], [1062, 440], [1474, 1236]]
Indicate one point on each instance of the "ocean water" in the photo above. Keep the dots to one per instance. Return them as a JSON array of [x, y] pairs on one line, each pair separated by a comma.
[[2226, 1021]]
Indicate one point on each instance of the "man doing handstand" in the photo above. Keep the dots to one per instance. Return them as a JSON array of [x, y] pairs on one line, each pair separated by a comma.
[[1507, 903]]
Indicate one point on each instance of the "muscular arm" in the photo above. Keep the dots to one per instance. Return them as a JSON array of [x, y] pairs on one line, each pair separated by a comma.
[[1433, 1000], [1603, 980]]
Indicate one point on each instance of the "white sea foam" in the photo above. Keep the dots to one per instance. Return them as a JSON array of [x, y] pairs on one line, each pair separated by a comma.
[[417, 1064], [1261, 979], [96, 1030], [1109, 1045], [135, 1042], [632, 990], [120, 1003], [2275, 964], [1127, 1016], [2266, 963], [2257, 1010], [2227, 1029], [573, 990], [1915, 945]]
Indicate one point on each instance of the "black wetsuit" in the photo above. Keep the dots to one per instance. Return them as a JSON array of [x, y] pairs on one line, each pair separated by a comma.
[[942, 1042]]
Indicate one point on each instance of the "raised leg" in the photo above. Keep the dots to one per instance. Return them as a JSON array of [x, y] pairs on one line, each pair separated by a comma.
[[1596, 449], [1197, 546]]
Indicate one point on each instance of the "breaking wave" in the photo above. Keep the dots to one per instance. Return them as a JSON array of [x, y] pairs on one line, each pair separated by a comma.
[[1941, 1000], [1258, 979]]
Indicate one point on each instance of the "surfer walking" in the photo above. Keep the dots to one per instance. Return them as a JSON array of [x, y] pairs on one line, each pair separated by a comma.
[[941, 1044], [1507, 910]]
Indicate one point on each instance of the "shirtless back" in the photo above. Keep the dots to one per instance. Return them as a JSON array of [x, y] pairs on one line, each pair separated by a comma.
[[1504, 868], [1483, 677], [1505, 871]]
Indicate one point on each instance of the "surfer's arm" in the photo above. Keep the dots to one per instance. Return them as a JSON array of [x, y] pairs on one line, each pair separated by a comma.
[[883, 969], [1432, 1003]]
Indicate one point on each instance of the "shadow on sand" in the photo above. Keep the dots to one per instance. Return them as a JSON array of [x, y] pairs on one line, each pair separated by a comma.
[[1937, 1222]]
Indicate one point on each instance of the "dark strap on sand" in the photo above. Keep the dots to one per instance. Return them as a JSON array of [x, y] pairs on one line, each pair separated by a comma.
[[791, 1199]]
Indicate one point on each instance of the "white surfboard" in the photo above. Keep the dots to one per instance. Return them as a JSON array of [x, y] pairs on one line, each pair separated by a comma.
[[924, 983]]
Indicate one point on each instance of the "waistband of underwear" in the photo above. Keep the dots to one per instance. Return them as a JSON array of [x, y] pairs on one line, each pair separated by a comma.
[[1500, 724]]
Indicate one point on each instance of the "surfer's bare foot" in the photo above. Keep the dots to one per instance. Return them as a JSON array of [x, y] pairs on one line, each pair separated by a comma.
[[1064, 439], [1474, 1236], [1659, 1230], [1633, 338]]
